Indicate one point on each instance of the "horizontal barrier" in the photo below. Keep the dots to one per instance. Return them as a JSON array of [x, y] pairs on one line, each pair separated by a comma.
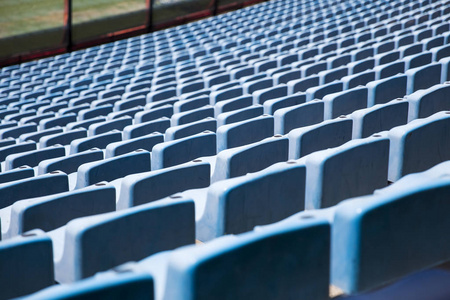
[[73, 35]]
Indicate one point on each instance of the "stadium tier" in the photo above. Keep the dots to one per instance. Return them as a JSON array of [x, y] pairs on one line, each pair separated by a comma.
[[294, 149]]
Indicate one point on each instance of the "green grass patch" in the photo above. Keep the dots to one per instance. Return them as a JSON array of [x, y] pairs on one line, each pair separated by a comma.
[[25, 16]]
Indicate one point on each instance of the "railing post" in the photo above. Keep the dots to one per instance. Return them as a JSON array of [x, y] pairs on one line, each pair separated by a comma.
[[68, 24], [215, 7], [149, 17]]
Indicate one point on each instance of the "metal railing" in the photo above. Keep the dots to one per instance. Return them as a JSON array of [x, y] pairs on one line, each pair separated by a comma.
[[155, 16]]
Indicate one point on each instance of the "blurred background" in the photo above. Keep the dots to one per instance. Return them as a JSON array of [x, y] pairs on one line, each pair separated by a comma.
[[30, 27]]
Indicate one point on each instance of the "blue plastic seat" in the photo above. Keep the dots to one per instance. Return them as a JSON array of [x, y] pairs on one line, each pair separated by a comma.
[[8, 149], [250, 158], [142, 129], [271, 106], [363, 162], [423, 77], [165, 110], [320, 91], [99, 141], [417, 60], [113, 168], [95, 111], [147, 187], [36, 136], [379, 117], [126, 235], [418, 145], [191, 104], [250, 255], [387, 89], [240, 115], [328, 76], [419, 197], [424, 103], [300, 115], [261, 96], [21, 172], [440, 52], [47, 184], [192, 116], [26, 264], [346, 102], [15, 132], [232, 104], [324, 135], [50, 212], [84, 123], [181, 131], [179, 151], [145, 142], [33, 158], [268, 195], [102, 127], [389, 69], [244, 132], [118, 286]]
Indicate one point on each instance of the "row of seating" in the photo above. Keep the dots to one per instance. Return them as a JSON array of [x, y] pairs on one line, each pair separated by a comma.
[[355, 231], [318, 180]]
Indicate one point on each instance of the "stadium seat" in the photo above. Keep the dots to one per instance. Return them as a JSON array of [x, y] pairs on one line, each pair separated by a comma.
[[98, 141], [418, 145], [218, 209], [346, 102], [26, 264], [232, 104], [380, 117], [250, 158], [113, 168], [191, 104], [106, 126], [179, 151], [387, 89], [417, 60], [146, 142], [33, 158], [302, 84], [36, 136], [300, 115], [47, 184], [165, 110], [126, 235], [122, 285], [141, 129], [424, 103], [84, 124], [188, 129], [21, 172], [358, 266], [191, 116], [50, 212], [15, 132], [423, 77], [303, 272], [261, 96], [244, 132], [327, 134], [362, 162], [151, 186]]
